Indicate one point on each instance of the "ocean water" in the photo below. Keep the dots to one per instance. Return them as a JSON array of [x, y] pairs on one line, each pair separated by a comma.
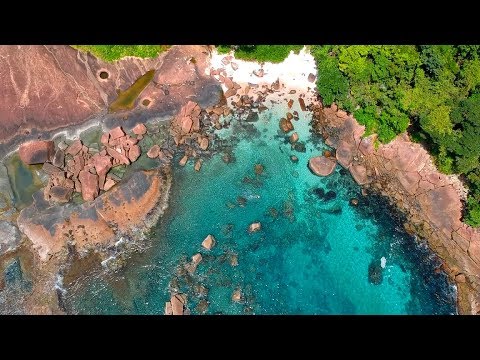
[[315, 253]]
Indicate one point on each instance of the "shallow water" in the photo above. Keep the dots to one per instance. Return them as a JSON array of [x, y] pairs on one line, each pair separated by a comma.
[[24, 180], [313, 254]]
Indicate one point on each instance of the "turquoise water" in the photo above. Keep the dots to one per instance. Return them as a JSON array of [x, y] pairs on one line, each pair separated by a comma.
[[313, 254]]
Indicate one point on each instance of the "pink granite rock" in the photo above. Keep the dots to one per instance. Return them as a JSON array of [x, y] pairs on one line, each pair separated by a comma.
[[116, 133], [89, 183], [153, 152], [134, 153], [139, 129], [321, 165], [74, 148], [209, 242], [36, 152]]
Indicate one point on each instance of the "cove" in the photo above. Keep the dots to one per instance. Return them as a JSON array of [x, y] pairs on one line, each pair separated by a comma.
[[315, 253]]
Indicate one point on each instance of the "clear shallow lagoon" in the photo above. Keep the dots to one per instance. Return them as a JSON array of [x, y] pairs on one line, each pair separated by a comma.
[[313, 254]]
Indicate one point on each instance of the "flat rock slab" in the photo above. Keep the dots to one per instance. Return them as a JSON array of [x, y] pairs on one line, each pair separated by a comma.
[[36, 152], [321, 165], [359, 173]]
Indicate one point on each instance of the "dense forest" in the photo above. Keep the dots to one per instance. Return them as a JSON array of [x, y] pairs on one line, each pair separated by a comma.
[[431, 91]]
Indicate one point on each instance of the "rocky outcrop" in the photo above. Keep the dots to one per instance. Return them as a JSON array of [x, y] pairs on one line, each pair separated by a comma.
[[72, 91], [321, 165], [404, 172], [130, 206]]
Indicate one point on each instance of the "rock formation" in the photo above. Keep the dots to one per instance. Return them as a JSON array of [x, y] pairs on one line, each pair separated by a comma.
[[125, 209], [72, 90], [321, 165], [403, 171]]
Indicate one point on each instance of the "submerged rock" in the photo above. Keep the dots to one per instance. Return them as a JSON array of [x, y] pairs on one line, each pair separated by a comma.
[[330, 195], [237, 295], [375, 273], [202, 306], [299, 146], [258, 169]]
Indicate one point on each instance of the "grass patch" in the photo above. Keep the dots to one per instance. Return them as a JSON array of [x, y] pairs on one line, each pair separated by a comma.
[[261, 53], [116, 52]]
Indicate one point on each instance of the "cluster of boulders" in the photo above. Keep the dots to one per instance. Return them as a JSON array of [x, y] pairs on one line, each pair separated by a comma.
[[78, 168], [178, 301], [189, 131]]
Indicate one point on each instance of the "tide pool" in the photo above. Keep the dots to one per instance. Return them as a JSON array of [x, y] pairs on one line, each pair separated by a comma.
[[315, 253]]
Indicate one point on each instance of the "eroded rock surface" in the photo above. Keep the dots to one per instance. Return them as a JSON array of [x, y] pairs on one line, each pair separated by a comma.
[[127, 207], [50, 87]]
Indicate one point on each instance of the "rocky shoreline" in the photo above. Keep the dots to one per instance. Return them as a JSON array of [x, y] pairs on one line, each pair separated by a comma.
[[187, 88], [115, 214], [403, 172]]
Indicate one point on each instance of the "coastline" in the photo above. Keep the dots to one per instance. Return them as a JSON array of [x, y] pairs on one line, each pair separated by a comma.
[[404, 173], [454, 242]]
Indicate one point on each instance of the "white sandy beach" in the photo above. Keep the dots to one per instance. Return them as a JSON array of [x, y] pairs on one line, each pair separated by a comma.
[[292, 72]]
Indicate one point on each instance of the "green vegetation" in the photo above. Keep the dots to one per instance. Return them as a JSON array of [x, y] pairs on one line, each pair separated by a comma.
[[126, 99], [261, 53], [434, 91], [115, 52]]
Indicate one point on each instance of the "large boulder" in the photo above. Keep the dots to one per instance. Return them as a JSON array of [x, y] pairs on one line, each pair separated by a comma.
[[321, 165], [359, 173], [178, 303], [209, 242], [286, 125], [89, 183], [36, 152]]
